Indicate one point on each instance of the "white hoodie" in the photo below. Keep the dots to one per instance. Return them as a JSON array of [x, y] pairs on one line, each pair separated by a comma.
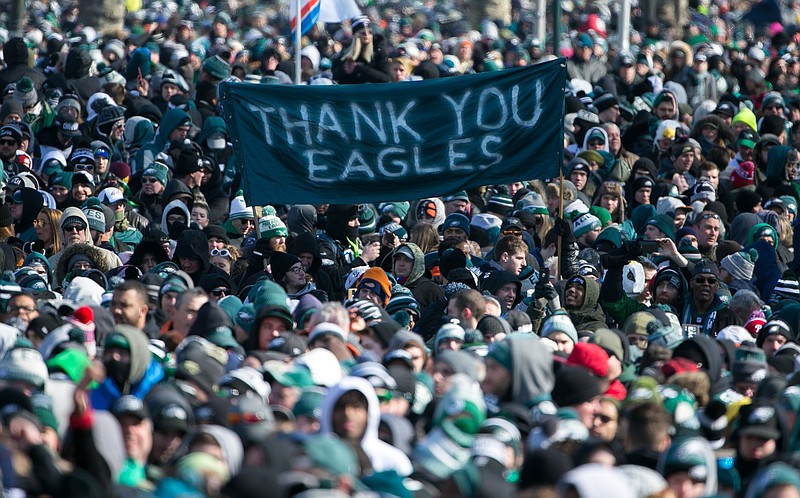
[[383, 456]]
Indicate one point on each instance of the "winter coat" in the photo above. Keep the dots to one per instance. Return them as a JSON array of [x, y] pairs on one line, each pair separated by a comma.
[[160, 142], [382, 456], [145, 372], [194, 244], [99, 261], [425, 291], [307, 243], [32, 204], [590, 316]]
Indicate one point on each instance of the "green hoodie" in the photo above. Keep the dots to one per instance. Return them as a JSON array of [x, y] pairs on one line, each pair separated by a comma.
[[757, 229], [147, 154], [212, 124], [776, 164], [589, 316]]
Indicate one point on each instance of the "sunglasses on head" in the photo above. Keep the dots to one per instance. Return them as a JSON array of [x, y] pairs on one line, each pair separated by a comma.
[[706, 216], [221, 252]]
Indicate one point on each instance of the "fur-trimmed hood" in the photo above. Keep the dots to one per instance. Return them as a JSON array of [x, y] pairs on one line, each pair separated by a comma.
[[94, 253]]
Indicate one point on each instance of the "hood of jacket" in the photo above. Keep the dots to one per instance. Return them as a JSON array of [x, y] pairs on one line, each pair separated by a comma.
[[39, 258], [173, 190], [15, 52], [143, 132], [589, 132], [418, 269], [440, 216], [212, 124], [590, 296], [491, 281], [140, 351], [307, 242], [169, 121], [99, 260], [73, 211], [776, 163], [77, 64], [52, 154], [177, 203], [668, 94], [383, 456], [752, 236], [302, 218], [741, 226], [532, 368], [33, 202], [709, 352], [192, 244], [231, 444]]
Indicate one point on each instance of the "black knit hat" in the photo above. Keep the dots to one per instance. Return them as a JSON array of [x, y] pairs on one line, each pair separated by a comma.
[[280, 263], [574, 386], [216, 231], [188, 162]]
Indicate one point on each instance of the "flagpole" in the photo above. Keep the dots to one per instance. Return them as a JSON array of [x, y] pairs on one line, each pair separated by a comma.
[[298, 26]]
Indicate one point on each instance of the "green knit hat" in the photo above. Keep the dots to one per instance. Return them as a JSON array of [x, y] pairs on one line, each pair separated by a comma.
[[157, 170], [602, 214], [270, 225], [462, 406], [501, 353]]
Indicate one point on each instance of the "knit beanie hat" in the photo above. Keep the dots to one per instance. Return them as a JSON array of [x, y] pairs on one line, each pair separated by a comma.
[[787, 287], [591, 357], [109, 115], [188, 161], [740, 264], [448, 331], [755, 322], [24, 364], [585, 224], [375, 279], [398, 208], [270, 225], [602, 214], [367, 221], [280, 263], [574, 386], [217, 67], [456, 220], [501, 353], [25, 93], [663, 222], [240, 210], [157, 170], [559, 321], [743, 174], [774, 327], [749, 365]]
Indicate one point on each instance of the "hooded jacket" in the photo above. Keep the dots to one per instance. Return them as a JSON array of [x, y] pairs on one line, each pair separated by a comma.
[[590, 315], [715, 318], [218, 203], [32, 204], [307, 243], [171, 120], [145, 372], [16, 57], [425, 291], [440, 216], [99, 262], [194, 244], [776, 183], [589, 132], [177, 203], [173, 190], [38, 257], [532, 369], [111, 259], [383, 456], [766, 272], [302, 218], [754, 233]]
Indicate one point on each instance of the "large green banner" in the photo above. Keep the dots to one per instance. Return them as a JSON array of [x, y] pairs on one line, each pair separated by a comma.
[[396, 141]]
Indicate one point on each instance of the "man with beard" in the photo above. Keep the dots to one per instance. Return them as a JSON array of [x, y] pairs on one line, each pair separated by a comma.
[[271, 227]]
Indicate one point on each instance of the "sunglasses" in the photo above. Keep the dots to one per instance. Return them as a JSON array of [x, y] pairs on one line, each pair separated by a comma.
[[149, 179], [74, 228], [84, 167], [702, 281], [8, 142], [219, 291], [245, 418], [221, 252], [512, 231], [706, 216]]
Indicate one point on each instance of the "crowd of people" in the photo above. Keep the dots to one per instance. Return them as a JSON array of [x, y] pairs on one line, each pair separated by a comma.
[[630, 329]]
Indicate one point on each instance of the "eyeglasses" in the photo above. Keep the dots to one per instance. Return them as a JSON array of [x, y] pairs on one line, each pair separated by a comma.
[[84, 167], [771, 107], [703, 281], [148, 179], [220, 291], [23, 309], [297, 270], [38, 223], [74, 228], [247, 221], [221, 252]]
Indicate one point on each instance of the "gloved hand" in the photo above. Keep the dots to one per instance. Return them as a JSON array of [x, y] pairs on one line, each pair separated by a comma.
[[544, 289], [563, 228]]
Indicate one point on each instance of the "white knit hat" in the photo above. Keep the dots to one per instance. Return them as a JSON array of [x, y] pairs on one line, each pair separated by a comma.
[[239, 209], [585, 223], [25, 365]]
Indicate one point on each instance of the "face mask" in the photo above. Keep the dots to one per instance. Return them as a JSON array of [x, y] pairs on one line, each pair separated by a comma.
[[118, 371], [351, 232]]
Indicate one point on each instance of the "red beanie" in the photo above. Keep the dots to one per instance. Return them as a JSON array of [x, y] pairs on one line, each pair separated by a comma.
[[589, 356], [743, 174]]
